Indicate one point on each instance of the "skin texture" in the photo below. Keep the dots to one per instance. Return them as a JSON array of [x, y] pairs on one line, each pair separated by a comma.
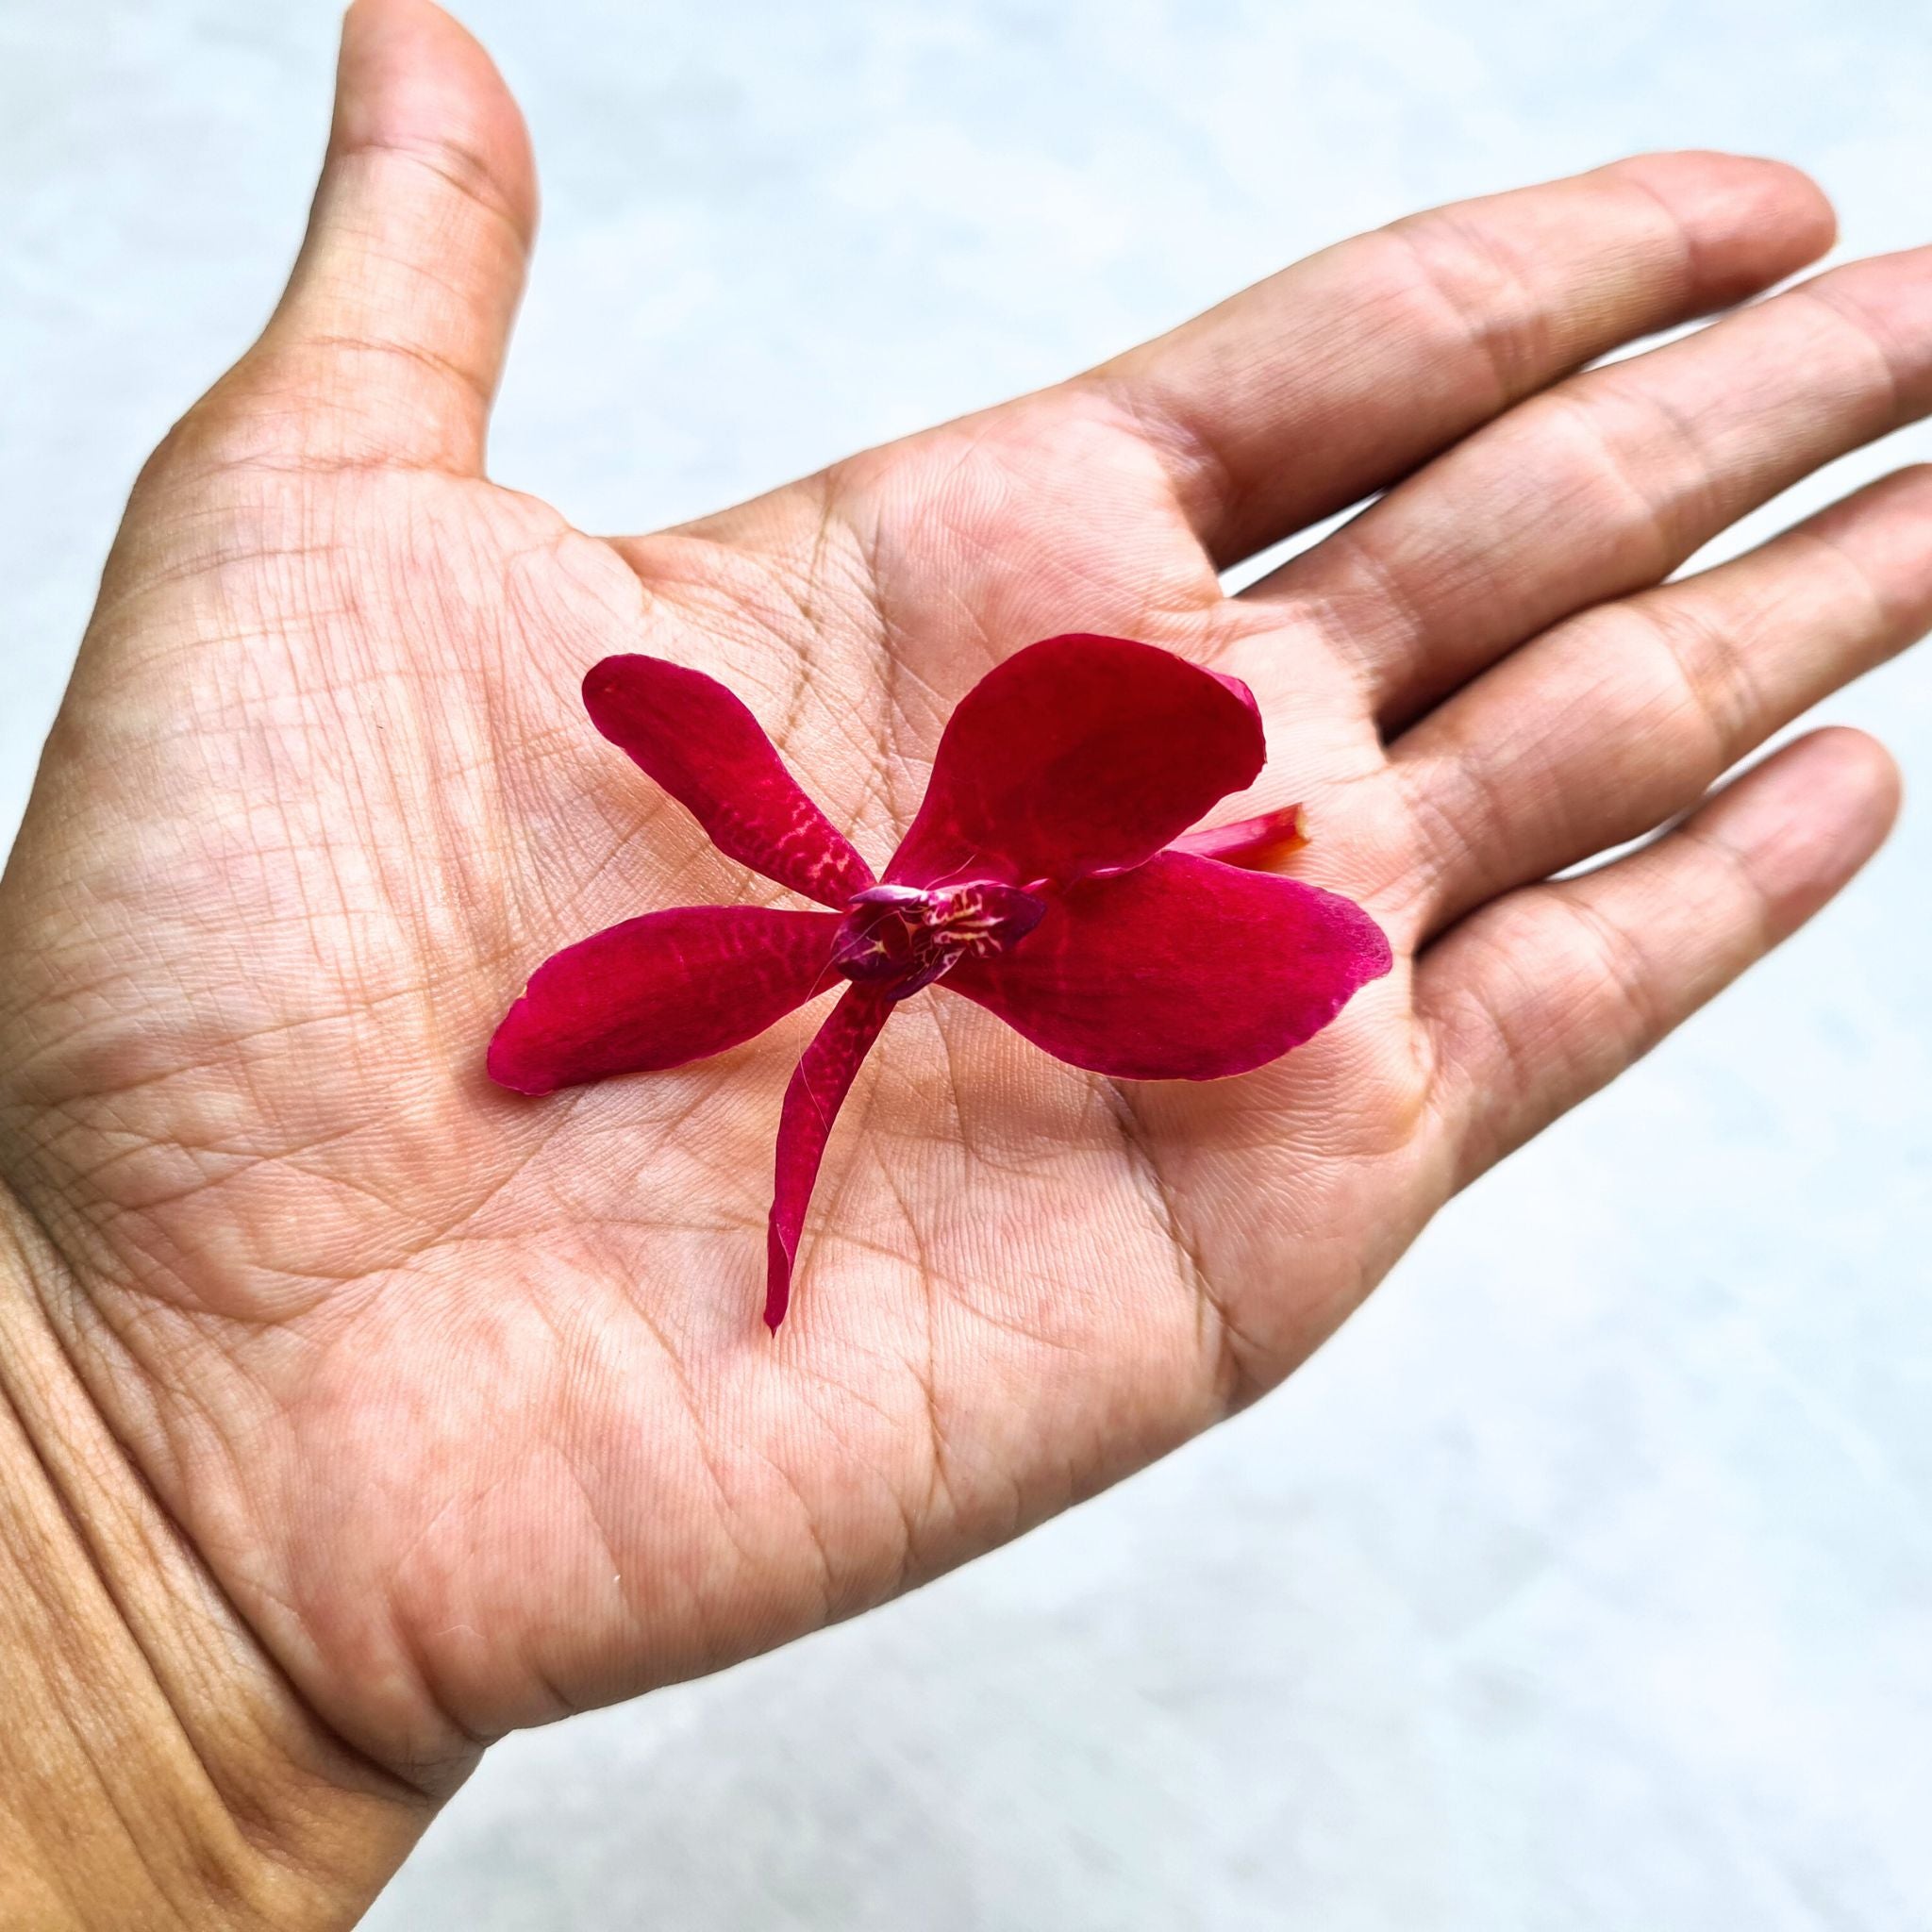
[[454, 1406]]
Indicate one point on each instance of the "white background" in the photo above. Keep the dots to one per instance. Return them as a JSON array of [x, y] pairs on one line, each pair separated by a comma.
[[1586, 1581]]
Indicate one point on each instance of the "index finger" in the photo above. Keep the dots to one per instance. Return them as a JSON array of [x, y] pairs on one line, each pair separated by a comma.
[[1333, 378]]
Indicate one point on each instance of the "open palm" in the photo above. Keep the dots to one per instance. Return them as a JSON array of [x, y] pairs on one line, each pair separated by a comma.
[[463, 1399]]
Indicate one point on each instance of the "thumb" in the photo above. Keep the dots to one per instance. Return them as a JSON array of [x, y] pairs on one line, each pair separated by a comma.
[[390, 336]]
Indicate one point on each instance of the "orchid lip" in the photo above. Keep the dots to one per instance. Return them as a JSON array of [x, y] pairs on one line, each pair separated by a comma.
[[901, 937]]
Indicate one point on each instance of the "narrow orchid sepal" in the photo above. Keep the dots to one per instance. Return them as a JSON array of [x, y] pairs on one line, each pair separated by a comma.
[[818, 1088], [659, 991], [701, 744], [1256, 844]]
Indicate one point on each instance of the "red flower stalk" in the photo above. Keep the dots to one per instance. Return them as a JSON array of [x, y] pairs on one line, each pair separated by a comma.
[[1049, 876]]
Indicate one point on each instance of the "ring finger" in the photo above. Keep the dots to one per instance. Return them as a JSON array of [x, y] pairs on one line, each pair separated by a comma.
[[1620, 718]]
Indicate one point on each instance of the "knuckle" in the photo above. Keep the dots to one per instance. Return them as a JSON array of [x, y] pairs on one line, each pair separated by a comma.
[[1709, 663], [1466, 268]]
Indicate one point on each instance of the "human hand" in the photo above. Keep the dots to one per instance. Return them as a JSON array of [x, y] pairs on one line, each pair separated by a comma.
[[463, 1400]]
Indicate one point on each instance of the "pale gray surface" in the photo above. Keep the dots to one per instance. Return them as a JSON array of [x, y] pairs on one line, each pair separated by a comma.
[[1587, 1580]]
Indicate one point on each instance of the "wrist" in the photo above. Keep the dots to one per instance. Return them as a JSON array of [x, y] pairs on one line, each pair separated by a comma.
[[156, 1769]]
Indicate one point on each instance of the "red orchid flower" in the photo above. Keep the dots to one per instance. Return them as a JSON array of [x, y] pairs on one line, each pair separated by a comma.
[[1049, 876]]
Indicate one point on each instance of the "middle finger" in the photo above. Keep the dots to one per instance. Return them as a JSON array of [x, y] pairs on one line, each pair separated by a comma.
[[1606, 483], [1612, 722]]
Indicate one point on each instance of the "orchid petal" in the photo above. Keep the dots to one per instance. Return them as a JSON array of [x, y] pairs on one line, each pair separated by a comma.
[[1183, 968], [705, 748], [659, 991], [819, 1086], [1256, 844], [1078, 754]]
